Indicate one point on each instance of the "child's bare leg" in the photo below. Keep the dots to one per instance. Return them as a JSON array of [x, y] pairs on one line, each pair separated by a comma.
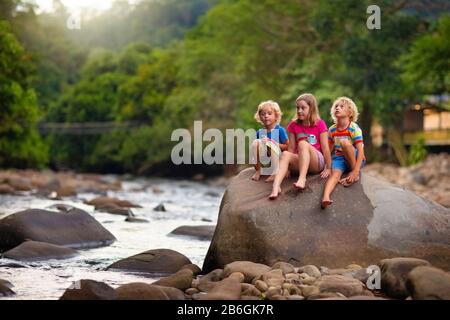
[[275, 163], [303, 164], [329, 187], [349, 154], [255, 151], [287, 158]]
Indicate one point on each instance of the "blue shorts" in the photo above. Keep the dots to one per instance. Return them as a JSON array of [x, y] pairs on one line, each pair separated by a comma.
[[339, 163]]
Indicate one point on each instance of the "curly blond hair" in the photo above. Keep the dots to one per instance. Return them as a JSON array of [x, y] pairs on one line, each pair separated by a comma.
[[311, 101], [351, 106], [275, 108]]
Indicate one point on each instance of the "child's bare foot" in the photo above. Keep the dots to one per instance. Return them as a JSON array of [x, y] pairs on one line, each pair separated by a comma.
[[270, 178], [348, 182], [256, 176], [300, 184], [274, 194], [325, 203]]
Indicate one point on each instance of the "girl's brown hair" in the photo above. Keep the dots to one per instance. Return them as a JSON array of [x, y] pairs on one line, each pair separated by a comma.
[[313, 115]]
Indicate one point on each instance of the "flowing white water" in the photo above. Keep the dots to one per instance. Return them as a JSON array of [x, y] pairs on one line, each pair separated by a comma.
[[186, 202]]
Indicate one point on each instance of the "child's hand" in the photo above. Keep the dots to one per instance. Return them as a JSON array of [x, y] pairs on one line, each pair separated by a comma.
[[352, 177], [264, 139], [325, 173]]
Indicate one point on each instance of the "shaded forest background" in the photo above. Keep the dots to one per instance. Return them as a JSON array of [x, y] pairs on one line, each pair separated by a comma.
[[164, 64]]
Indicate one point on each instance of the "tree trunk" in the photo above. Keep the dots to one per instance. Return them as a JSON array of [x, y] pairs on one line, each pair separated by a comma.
[[366, 125]]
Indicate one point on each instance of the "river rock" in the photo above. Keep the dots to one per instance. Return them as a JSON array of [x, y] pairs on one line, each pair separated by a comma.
[[181, 280], [158, 261], [369, 221], [172, 293], [89, 290], [261, 285], [137, 220], [114, 209], [193, 267], [191, 291], [74, 229], [238, 276], [20, 184], [284, 267], [6, 283], [394, 273], [6, 189], [248, 289], [429, 283], [160, 207], [203, 232], [35, 250], [5, 289], [226, 289], [340, 284], [309, 291], [366, 298], [273, 278], [102, 201], [140, 291], [311, 270], [248, 268], [207, 282]]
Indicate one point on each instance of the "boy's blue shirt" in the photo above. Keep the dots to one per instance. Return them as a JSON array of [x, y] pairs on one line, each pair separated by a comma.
[[280, 138]]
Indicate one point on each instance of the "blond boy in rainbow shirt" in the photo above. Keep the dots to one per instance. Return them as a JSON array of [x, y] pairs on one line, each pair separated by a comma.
[[346, 140]]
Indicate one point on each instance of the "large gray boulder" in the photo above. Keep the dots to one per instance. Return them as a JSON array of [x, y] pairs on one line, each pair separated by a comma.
[[155, 261], [429, 283], [75, 229], [367, 222], [35, 250]]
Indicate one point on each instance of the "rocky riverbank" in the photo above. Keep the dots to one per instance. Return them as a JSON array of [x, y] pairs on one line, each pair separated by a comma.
[[55, 185], [397, 278], [67, 239], [430, 179]]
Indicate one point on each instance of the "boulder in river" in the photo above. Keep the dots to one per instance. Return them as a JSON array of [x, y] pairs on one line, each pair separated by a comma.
[[140, 291], [156, 261], [102, 201], [160, 207], [369, 221], [182, 280], [5, 288], [394, 274], [35, 250], [6, 189], [202, 232], [114, 209], [429, 283], [89, 290], [75, 229]]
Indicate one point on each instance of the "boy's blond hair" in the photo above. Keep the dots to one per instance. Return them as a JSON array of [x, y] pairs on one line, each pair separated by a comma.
[[310, 99], [275, 107], [351, 106]]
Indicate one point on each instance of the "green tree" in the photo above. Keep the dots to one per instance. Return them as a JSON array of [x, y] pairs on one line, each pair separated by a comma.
[[426, 67], [20, 144]]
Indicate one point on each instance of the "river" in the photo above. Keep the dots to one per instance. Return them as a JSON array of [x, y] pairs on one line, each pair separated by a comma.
[[186, 203]]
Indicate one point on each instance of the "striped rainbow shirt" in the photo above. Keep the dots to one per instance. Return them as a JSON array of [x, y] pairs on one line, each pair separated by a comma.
[[353, 133]]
